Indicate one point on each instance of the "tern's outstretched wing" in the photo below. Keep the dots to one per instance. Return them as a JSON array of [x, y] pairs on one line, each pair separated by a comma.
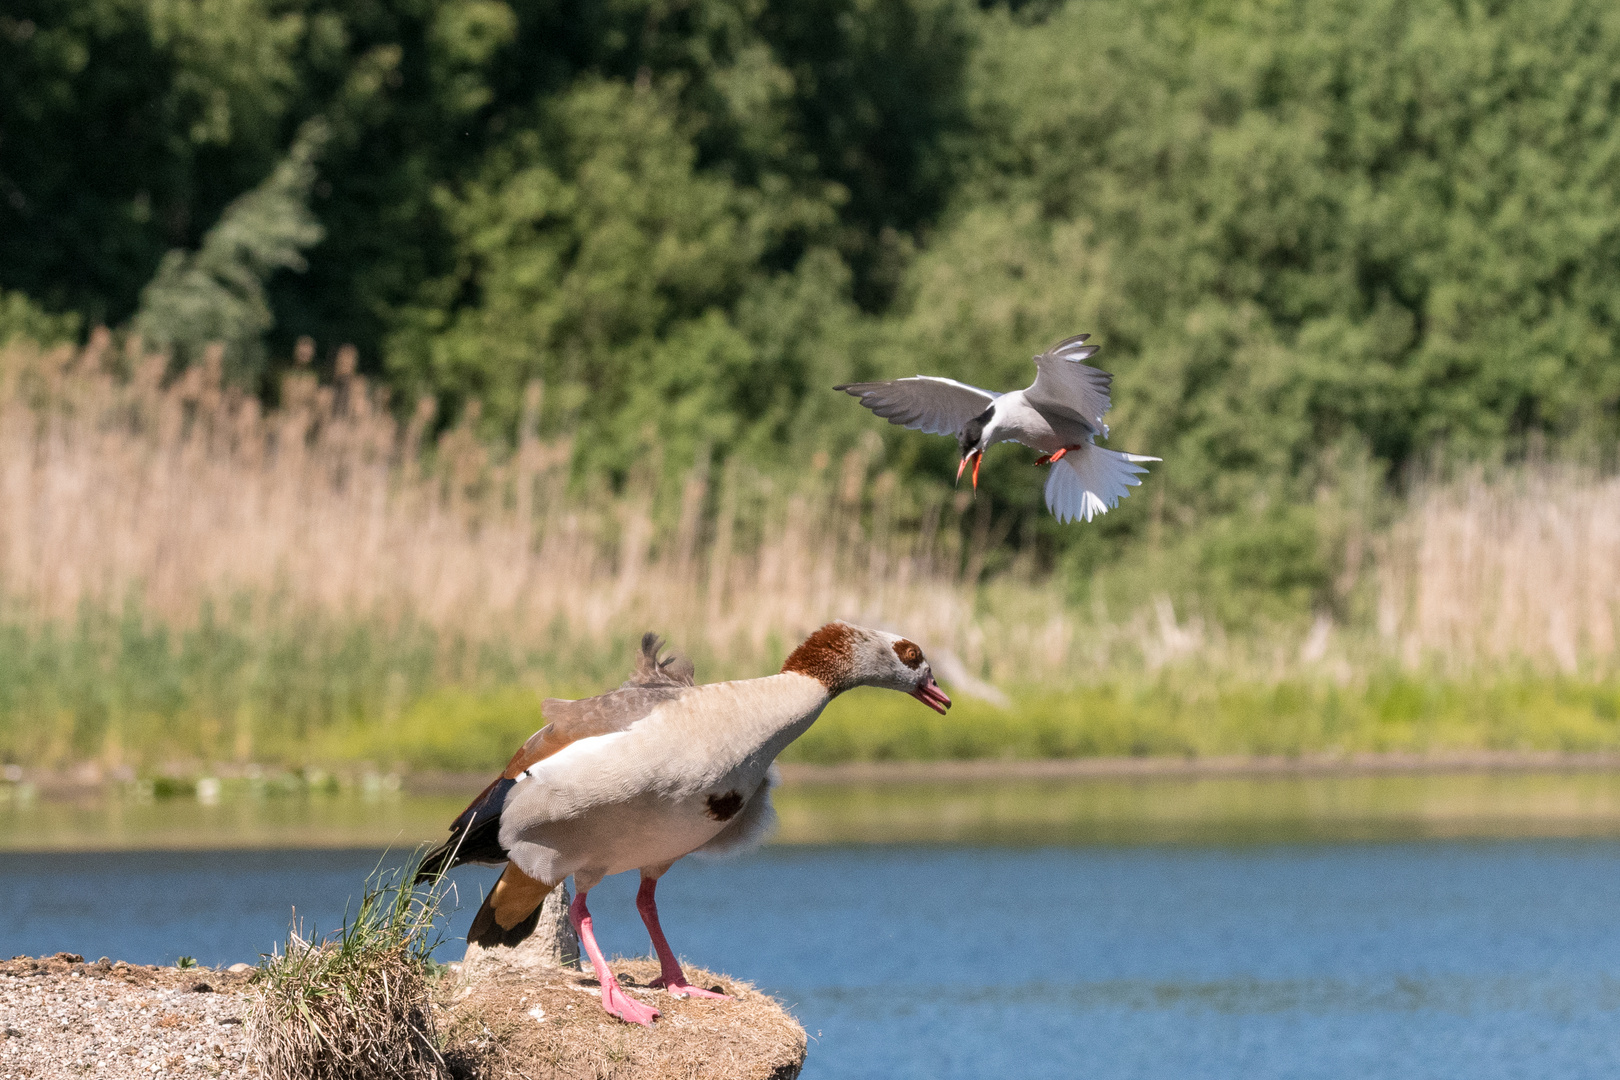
[[1066, 385], [924, 402]]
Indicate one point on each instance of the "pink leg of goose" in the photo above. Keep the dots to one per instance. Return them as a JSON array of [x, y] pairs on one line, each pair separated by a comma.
[[672, 978], [614, 999]]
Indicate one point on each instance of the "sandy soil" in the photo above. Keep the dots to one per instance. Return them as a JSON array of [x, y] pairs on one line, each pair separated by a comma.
[[62, 1017]]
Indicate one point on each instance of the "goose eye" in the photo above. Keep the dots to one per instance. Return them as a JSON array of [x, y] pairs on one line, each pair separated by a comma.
[[909, 654]]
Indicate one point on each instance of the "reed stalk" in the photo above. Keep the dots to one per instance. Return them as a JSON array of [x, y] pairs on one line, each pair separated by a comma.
[[176, 558]]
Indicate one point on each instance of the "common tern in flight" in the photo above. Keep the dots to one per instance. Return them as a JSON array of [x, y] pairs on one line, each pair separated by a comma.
[[1060, 415]]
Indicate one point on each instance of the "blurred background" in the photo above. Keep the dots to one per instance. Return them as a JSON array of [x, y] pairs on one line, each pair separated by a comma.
[[370, 366], [370, 369]]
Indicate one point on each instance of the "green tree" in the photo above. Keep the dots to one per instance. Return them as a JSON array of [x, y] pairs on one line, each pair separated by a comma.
[[20, 317], [594, 254], [217, 293], [1293, 224], [126, 126], [1304, 232]]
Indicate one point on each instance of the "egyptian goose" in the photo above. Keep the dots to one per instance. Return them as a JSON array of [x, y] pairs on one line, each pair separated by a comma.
[[640, 776], [1060, 414]]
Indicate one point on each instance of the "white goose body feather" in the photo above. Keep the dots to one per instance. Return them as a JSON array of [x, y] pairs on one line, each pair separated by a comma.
[[645, 796]]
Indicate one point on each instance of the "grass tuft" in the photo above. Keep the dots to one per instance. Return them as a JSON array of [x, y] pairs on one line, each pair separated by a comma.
[[355, 1005]]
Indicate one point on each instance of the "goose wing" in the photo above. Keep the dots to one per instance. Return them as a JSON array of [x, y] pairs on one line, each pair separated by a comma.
[[475, 834], [652, 670], [655, 681], [923, 402], [1066, 385]]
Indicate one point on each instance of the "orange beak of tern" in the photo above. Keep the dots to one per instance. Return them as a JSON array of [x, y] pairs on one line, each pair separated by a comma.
[[978, 459]]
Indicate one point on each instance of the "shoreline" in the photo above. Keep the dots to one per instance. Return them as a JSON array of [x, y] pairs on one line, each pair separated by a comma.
[[861, 773], [87, 783], [1358, 764], [1477, 793]]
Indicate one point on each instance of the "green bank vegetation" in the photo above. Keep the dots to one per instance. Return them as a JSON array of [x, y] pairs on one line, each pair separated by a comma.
[[1186, 713], [313, 694]]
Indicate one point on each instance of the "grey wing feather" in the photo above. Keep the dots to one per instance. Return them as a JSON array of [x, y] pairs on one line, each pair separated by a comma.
[[1066, 385], [923, 402], [654, 682], [604, 713], [672, 670]]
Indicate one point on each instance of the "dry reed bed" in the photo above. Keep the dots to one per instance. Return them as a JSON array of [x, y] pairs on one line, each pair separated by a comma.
[[1525, 567], [113, 482]]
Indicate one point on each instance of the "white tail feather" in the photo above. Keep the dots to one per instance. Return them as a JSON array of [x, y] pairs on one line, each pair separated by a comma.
[[1091, 481]]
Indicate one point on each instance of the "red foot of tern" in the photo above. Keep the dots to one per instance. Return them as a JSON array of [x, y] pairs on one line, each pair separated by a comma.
[[1055, 456]]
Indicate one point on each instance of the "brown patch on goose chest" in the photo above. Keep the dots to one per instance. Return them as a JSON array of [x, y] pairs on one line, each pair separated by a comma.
[[725, 807]]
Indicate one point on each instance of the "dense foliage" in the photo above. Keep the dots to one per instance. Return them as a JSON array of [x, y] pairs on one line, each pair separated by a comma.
[[1308, 233]]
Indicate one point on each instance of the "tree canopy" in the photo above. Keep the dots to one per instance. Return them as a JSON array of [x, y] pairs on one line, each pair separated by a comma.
[[1303, 231]]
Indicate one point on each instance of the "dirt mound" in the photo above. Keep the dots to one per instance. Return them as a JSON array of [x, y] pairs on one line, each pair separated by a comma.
[[509, 1022]]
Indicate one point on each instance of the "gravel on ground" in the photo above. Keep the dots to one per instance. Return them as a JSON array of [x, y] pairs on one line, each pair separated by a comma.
[[62, 1017]]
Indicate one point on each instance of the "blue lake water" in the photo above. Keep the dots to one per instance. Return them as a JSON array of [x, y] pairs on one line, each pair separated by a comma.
[[1477, 960]]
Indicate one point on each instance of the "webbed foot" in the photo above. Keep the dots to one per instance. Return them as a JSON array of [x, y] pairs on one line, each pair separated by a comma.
[[619, 1004], [679, 987]]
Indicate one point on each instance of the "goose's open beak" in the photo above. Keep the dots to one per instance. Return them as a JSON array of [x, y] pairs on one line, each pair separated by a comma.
[[932, 696], [977, 458]]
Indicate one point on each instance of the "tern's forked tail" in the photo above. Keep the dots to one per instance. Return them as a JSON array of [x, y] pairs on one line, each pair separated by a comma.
[[1090, 480]]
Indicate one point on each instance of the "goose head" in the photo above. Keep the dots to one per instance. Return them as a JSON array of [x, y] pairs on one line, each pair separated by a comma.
[[973, 441], [843, 656]]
